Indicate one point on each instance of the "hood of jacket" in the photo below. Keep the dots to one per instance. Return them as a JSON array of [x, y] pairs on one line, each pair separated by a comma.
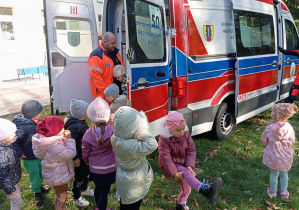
[[280, 130], [118, 102], [41, 144], [19, 120], [128, 123]]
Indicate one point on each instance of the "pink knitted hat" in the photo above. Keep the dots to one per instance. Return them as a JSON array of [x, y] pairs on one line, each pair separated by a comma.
[[283, 111], [174, 119]]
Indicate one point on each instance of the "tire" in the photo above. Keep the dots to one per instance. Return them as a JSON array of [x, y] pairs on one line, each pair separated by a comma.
[[224, 123]]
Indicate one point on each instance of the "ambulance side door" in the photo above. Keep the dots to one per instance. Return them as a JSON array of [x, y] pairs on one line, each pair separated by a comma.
[[71, 36]]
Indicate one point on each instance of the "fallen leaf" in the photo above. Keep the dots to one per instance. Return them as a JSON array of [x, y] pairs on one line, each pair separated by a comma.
[[197, 171], [247, 191], [287, 200], [205, 159], [250, 199], [224, 201], [247, 148], [271, 205], [196, 202], [237, 151], [249, 142], [34, 204], [163, 194], [235, 208], [163, 177], [224, 173], [159, 189]]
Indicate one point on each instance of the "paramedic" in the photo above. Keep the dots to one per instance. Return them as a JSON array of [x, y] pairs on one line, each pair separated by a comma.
[[294, 91], [101, 62]]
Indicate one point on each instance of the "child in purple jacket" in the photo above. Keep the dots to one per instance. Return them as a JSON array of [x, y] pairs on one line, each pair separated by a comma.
[[177, 156], [97, 151]]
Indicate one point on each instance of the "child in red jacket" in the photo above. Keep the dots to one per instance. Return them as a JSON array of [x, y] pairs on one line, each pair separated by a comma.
[[177, 156]]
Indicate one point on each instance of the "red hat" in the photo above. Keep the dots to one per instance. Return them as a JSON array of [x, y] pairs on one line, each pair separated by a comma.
[[50, 126]]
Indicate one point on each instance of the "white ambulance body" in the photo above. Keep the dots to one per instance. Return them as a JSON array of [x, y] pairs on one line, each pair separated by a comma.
[[215, 61]]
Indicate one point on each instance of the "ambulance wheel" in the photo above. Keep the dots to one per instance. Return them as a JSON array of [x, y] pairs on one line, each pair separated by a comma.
[[225, 123]]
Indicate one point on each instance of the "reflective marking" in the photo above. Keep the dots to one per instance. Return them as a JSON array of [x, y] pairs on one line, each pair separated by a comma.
[[96, 69]]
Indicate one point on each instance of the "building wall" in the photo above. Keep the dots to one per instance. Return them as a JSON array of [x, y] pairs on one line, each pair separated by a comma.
[[28, 47], [98, 10]]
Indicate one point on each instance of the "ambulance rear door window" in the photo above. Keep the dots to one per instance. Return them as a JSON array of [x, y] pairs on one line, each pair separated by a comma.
[[291, 36], [146, 32], [255, 33]]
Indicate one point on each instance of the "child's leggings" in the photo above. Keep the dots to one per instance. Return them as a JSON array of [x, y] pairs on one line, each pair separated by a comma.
[[284, 179], [61, 196], [101, 196], [186, 184], [15, 200]]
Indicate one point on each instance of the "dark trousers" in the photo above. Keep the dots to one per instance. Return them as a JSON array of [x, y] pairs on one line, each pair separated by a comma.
[[101, 196], [80, 179], [133, 206]]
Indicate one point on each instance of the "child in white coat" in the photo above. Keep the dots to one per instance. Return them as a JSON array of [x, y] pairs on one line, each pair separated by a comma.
[[132, 142]]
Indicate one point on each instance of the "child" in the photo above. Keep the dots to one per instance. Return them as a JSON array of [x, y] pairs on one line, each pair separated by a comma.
[[177, 156], [113, 97], [97, 151], [119, 72], [55, 146], [76, 124], [132, 143], [26, 128], [10, 168], [279, 138]]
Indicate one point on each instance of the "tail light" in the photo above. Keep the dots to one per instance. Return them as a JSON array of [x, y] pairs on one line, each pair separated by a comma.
[[179, 92]]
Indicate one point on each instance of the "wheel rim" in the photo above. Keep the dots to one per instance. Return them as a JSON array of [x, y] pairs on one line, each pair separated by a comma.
[[226, 123]]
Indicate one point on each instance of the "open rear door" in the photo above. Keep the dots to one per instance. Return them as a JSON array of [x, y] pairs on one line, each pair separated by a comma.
[[71, 36]]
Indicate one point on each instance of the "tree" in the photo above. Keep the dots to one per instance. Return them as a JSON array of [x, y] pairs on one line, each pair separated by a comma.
[[293, 6]]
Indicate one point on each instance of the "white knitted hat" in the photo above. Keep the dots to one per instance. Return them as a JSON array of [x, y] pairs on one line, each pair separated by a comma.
[[119, 70], [99, 111], [7, 129]]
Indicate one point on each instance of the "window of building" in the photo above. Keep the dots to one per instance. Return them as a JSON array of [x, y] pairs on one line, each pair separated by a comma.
[[254, 33], [100, 23], [6, 23]]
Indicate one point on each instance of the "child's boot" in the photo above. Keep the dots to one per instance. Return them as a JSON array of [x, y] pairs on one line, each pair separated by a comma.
[[44, 189], [38, 198], [211, 190], [284, 195], [271, 194], [181, 207]]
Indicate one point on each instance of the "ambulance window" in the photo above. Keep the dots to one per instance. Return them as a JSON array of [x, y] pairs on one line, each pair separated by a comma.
[[254, 33], [73, 37], [146, 32], [291, 36]]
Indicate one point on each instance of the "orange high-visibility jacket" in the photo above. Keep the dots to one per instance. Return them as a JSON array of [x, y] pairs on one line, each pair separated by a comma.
[[101, 70]]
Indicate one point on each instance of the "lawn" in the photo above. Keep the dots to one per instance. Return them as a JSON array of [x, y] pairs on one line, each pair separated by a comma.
[[237, 160]]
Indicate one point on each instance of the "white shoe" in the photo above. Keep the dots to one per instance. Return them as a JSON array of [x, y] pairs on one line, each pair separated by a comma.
[[88, 192], [81, 202]]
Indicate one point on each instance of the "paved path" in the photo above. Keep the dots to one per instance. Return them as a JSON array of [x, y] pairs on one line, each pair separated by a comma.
[[14, 93]]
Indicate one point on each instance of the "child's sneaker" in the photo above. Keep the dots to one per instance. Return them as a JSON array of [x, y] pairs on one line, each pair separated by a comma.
[[38, 199], [88, 192], [271, 194], [181, 207], [284, 195], [81, 202], [211, 190], [44, 189]]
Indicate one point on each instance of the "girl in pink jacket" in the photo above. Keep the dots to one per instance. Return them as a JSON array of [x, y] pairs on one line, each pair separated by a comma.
[[97, 151], [279, 138], [177, 156], [55, 146]]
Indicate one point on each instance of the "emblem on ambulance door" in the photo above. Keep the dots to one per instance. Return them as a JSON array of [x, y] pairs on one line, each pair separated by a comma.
[[208, 31], [73, 38]]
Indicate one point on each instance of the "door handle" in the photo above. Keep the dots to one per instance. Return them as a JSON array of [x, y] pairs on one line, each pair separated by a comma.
[[274, 63], [141, 83], [160, 73], [288, 60]]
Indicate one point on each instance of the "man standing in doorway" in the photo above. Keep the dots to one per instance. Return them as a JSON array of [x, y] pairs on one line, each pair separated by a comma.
[[101, 62]]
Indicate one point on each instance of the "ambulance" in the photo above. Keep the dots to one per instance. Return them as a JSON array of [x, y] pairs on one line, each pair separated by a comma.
[[215, 61]]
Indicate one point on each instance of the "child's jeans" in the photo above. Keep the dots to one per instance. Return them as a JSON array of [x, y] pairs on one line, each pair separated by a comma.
[[186, 184], [15, 200], [284, 179], [61, 196]]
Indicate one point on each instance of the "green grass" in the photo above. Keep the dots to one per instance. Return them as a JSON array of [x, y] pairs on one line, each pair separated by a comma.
[[237, 160]]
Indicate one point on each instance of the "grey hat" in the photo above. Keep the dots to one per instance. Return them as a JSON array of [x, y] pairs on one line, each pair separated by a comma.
[[112, 90], [78, 108], [31, 108], [119, 70]]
